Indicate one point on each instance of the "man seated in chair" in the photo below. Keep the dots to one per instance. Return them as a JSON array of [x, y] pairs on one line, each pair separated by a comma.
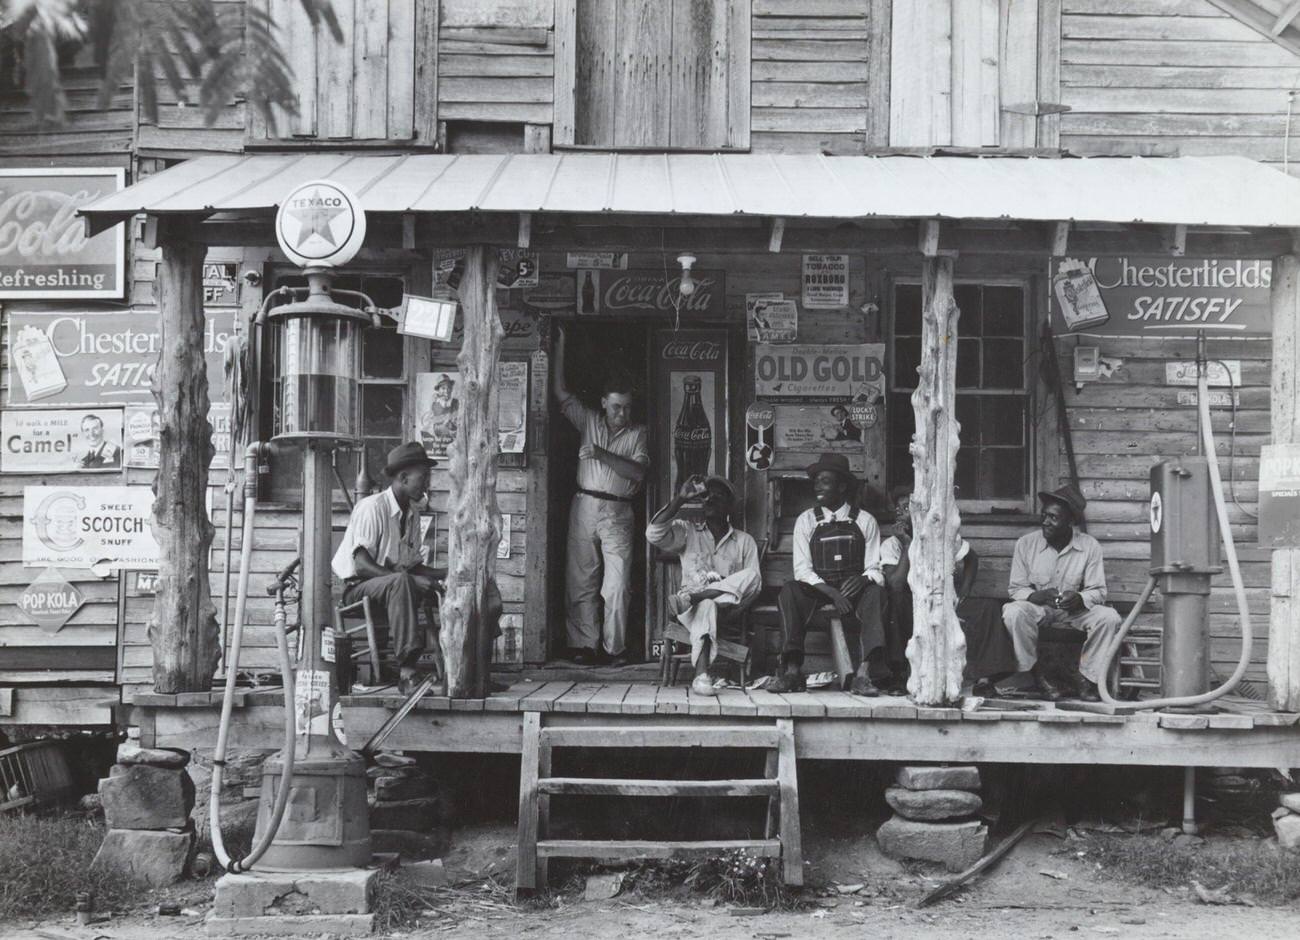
[[380, 558], [837, 562], [720, 573], [1058, 579], [895, 562]]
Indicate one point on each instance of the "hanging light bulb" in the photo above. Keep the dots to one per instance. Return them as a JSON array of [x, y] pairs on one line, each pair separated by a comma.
[[687, 283]]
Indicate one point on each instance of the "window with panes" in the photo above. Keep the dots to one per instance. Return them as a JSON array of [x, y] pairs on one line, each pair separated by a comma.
[[383, 387], [993, 390]]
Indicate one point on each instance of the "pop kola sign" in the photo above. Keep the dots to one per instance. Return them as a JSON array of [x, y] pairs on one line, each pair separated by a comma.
[[320, 224], [45, 253], [1161, 296], [104, 528], [50, 601], [827, 373]]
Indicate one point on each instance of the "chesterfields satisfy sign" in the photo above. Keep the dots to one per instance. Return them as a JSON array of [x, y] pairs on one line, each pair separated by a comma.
[[44, 251], [98, 358], [1161, 296]]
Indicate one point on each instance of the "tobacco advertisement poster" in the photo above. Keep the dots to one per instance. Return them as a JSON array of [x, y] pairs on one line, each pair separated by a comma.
[[97, 358], [771, 318], [512, 397], [818, 428], [1161, 296], [1279, 496], [100, 527], [820, 372], [437, 410], [63, 441], [825, 281], [45, 253]]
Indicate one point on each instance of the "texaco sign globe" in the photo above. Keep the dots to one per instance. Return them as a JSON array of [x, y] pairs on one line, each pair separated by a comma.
[[320, 224]]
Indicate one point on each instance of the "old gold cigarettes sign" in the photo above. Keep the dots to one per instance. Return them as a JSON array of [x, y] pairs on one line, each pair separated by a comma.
[[826, 373]]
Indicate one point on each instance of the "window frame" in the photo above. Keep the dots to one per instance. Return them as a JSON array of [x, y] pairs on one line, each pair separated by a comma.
[[1028, 502]]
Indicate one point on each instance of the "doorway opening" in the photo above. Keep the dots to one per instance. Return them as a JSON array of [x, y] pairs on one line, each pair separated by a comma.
[[595, 349]]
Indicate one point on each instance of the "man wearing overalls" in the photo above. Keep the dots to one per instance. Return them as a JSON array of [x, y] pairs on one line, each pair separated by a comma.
[[836, 562]]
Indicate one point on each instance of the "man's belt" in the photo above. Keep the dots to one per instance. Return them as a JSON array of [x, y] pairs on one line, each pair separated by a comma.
[[607, 496]]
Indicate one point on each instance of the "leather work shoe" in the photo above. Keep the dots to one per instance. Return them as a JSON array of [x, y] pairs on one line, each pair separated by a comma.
[[583, 656], [791, 680], [1088, 692], [1048, 689], [862, 685], [702, 684]]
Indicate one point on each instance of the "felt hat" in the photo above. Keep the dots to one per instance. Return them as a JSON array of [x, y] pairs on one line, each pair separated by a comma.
[[410, 454], [1068, 496], [724, 483], [836, 463], [444, 381]]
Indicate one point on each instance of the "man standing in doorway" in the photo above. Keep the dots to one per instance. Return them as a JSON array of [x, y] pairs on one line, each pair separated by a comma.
[[612, 461]]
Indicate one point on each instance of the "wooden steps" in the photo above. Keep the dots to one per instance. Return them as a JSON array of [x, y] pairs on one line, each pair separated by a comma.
[[536, 787]]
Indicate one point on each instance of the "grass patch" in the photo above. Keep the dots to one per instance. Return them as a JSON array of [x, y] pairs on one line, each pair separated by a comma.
[[401, 904], [734, 877], [45, 862], [1257, 870]]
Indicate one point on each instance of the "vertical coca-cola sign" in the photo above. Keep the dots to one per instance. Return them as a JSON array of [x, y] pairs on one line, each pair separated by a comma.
[[45, 252], [689, 424]]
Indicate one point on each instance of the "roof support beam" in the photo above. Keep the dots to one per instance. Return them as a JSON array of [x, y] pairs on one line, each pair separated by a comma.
[[1285, 17], [1060, 238], [1175, 237], [408, 230], [525, 229], [775, 234], [928, 238]]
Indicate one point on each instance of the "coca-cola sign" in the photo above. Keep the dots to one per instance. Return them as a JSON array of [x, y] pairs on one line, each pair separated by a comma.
[[638, 293], [45, 252], [692, 350]]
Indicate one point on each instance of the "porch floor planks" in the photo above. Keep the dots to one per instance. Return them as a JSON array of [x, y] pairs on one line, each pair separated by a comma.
[[543, 699], [510, 699], [671, 700], [608, 700], [640, 699], [575, 700], [736, 703], [768, 704]]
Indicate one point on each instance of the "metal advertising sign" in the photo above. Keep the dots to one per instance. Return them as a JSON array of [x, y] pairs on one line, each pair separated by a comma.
[[50, 601], [96, 358], [690, 429], [759, 418], [44, 251], [1161, 296], [1279, 496], [825, 281], [104, 528], [320, 224], [71, 441], [825, 373], [641, 293], [818, 428]]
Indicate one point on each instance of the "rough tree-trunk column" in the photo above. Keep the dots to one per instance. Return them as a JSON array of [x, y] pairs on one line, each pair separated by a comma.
[[1284, 608], [937, 650], [183, 625], [474, 524]]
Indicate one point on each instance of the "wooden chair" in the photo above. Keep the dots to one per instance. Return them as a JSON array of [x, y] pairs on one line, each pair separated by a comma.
[[730, 650], [374, 627]]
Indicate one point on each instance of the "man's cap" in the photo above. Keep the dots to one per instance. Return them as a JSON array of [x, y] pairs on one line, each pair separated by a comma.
[[410, 454], [444, 379], [1068, 496], [724, 483], [836, 463]]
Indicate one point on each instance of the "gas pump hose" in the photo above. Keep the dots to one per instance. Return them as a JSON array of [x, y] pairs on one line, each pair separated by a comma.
[[228, 699], [1234, 571]]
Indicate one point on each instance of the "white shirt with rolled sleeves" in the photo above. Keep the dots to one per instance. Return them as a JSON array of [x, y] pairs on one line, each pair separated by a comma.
[[809, 520], [1036, 566], [376, 526], [630, 442]]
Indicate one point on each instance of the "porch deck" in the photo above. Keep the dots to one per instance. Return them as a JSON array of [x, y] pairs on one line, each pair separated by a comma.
[[828, 725]]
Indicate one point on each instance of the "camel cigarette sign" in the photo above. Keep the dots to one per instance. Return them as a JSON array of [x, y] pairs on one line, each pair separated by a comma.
[[1161, 296], [45, 253], [99, 527]]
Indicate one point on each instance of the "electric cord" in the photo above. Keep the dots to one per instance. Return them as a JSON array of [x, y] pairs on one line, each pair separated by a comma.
[[1232, 443]]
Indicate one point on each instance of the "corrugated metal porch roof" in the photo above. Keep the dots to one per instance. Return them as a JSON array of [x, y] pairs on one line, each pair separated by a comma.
[[1150, 190]]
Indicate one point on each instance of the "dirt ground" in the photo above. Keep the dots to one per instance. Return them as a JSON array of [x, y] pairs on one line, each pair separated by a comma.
[[1042, 890]]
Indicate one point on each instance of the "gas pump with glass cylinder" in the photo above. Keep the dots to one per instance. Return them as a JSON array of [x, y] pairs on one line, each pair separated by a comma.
[[312, 814]]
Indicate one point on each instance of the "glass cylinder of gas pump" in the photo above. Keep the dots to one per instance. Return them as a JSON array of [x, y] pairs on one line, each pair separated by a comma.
[[319, 365]]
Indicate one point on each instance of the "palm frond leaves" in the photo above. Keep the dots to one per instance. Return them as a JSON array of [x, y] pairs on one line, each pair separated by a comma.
[[205, 53]]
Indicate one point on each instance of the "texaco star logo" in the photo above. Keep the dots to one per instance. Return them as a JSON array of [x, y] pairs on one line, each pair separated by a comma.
[[320, 223]]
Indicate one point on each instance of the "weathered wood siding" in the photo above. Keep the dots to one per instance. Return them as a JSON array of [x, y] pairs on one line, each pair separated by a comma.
[[89, 134], [495, 73], [1171, 78]]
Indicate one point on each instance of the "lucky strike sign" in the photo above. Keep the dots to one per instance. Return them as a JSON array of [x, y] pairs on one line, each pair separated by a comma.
[[99, 357], [44, 251]]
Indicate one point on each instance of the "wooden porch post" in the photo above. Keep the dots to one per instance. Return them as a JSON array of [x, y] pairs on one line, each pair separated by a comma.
[[183, 625], [1284, 606], [937, 650], [474, 524]]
